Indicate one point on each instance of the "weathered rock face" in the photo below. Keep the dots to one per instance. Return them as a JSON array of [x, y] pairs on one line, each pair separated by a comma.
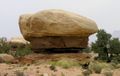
[[62, 27], [59, 42]]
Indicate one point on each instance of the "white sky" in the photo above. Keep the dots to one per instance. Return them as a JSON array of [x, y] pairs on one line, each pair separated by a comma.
[[106, 13]]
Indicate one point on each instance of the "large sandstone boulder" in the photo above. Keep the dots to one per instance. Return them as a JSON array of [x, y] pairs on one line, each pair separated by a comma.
[[56, 28], [56, 23]]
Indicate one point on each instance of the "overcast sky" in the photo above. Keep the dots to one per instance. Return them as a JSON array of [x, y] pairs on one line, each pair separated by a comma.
[[106, 13]]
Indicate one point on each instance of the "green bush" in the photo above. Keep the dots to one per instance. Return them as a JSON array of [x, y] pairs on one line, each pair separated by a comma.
[[53, 67], [98, 66], [117, 66], [65, 63], [87, 50], [108, 73], [4, 45], [95, 67], [23, 51], [116, 59], [101, 45]]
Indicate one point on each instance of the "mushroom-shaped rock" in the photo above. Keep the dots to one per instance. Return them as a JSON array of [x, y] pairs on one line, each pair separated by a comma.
[[56, 29]]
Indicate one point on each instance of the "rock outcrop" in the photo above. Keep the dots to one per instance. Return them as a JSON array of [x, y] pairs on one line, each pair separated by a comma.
[[18, 40], [6, 58], [56, 29]]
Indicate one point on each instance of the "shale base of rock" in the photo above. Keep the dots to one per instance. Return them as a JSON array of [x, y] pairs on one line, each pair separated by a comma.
[[59, 42]]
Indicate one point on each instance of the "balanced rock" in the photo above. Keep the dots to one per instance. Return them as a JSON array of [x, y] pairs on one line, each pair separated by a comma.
[[56, 29]]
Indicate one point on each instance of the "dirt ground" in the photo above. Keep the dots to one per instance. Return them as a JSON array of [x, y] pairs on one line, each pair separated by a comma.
[[43, 70], [35, 65], [36, 70], [83, 57]]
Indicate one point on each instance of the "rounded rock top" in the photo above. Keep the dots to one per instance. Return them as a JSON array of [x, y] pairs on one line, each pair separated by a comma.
[[54, 22]]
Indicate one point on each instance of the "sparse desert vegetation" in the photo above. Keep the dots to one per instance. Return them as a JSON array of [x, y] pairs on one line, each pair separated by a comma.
[[27, 63]]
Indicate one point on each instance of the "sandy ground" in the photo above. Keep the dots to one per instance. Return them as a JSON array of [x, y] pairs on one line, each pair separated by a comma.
[[26, 67], [43, 69], [36, 70]]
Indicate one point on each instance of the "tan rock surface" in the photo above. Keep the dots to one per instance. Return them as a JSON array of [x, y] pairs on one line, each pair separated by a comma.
[[59, 42], [6, 58], [19, 40], [56, 29], [24, 24], [56, 23]]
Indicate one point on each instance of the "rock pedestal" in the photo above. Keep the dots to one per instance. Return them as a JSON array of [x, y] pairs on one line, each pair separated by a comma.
[[56, 29], [59, 42]]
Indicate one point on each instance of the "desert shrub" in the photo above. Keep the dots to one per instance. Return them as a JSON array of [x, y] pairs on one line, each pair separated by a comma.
[[23, 51], [98, 66], [53, 67], [85, 65], [116, 59], [108, 72], [4, 45], [106, 65], [65, 63], [95, 67], [87, 50], [113, 64], [117, 66]]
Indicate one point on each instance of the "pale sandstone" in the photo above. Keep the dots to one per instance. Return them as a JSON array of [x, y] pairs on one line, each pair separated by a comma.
[[56, 23], [6, 58]]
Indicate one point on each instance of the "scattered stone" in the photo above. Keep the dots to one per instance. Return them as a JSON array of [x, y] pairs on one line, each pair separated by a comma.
[[6, 58]]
